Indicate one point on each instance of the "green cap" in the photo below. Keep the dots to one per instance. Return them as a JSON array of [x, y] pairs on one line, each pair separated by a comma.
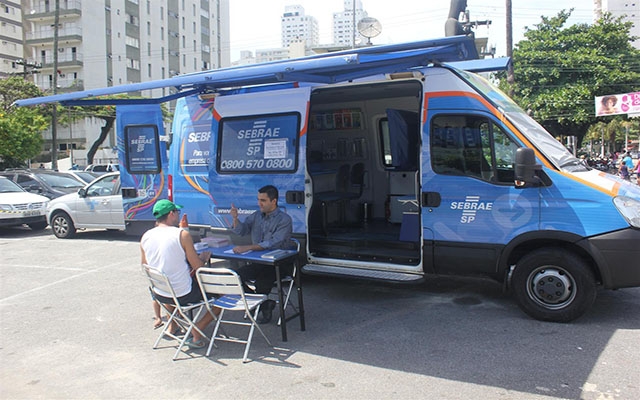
[[164, 207]]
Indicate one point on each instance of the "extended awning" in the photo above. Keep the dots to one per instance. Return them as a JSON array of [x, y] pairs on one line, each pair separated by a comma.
[[323, 68]]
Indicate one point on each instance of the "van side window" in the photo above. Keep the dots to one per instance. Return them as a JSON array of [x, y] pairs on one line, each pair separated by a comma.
[[258, 144], [472, 146]]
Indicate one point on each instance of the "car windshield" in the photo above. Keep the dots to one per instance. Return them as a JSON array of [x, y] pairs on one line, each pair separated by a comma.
[[86, 176], [7, 186], [552, 149], [60, 181]]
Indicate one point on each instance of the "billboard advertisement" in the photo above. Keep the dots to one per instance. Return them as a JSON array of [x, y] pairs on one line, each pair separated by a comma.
[[627, 103]]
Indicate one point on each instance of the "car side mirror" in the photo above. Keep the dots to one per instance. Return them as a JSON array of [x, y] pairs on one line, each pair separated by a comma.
[[526, 168], [34, 189], [82, 192]]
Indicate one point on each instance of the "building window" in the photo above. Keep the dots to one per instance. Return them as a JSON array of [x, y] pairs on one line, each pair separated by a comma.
[[149, 28], [133, 42], [149, 70]]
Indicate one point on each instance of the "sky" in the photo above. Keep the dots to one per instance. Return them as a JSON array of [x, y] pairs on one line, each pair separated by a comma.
[[255, 24]]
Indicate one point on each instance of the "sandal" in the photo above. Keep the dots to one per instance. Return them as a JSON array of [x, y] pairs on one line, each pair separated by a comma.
[[158, 323], [194, 345]]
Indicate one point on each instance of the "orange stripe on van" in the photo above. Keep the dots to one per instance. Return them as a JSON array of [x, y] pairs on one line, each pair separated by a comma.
[[305, 125]]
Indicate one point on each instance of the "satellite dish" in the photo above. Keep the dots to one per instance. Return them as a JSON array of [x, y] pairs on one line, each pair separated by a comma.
[[369, 27]]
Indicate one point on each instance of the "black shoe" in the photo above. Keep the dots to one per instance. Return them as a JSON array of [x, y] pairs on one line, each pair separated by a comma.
[[266, 312]]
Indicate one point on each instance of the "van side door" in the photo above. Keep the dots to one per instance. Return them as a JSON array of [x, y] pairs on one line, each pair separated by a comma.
[[259, 140], [471, 169]]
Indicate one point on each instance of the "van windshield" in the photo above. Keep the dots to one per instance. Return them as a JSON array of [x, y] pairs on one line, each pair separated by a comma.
[[555, 152]]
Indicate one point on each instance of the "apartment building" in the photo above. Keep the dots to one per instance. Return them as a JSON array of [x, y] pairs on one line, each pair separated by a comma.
[[298, 27], [343, 24], [112, 42], [11, 48]]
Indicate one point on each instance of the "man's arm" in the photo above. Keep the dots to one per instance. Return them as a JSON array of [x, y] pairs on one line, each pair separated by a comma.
[[194, 259], [143, 257]]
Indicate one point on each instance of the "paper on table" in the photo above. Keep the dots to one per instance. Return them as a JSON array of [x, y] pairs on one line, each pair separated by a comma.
[[230, 251]]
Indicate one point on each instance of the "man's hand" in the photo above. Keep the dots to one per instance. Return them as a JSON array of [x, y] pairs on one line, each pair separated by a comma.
[[242, 249], [204, 256], [233, 211]]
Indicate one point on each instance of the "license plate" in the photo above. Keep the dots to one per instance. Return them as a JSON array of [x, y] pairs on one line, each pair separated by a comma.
[[31, 213]]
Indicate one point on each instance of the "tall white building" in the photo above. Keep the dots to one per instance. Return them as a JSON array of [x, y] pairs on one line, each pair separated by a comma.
[[298, 27], [114, 42], [630, 9], [11, 47], [343, 24]]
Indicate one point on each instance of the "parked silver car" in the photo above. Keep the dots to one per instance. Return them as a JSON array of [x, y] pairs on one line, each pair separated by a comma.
[[97, 205]]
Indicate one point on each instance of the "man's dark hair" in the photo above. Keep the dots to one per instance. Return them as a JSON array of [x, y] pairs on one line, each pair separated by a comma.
[[163, 218], [271, 191]]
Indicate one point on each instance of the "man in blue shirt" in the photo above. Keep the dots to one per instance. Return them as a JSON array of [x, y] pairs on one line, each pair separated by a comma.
[[270, 228]]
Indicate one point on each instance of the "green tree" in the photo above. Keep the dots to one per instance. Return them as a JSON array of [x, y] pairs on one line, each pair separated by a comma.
[[20, 128], [558, 71]]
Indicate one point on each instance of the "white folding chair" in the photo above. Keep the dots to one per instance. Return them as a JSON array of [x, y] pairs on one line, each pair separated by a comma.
[[181, 314], [226, 285]]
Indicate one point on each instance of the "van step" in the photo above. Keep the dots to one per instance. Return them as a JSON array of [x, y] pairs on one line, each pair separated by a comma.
[[319, 269]]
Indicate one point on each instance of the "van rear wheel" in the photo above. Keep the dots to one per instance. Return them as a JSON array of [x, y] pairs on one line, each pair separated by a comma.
[[553, 285], [62, 225]]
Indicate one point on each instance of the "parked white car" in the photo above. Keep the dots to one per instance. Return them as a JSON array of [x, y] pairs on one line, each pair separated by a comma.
[[97, 205], [17, 206]]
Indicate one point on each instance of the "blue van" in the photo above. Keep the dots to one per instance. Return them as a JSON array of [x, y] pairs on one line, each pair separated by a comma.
[[394, 162]]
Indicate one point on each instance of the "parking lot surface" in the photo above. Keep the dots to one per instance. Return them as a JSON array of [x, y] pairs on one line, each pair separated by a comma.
[[76, 323]]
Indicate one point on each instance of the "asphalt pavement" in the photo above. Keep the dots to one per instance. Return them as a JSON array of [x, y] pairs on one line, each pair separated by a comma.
[[76, 323]]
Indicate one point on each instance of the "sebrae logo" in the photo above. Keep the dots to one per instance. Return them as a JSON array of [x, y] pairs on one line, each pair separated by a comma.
[[470, 207]]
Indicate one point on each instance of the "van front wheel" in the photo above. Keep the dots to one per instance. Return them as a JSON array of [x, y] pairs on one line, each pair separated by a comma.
[[553, 285]]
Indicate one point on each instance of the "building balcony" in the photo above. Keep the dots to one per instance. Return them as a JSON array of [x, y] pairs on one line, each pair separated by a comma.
[[64, 60], [65, 85], [46, 11], [65, 35]]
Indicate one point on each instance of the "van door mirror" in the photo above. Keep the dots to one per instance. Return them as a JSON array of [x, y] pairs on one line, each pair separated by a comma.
[[82, 192], [526, 168]]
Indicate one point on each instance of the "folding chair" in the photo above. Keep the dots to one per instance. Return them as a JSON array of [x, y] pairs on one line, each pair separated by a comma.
[[181, 314], [226, 284], [288, 282]]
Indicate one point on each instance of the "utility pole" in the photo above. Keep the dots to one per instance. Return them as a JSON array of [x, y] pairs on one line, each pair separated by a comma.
[[28, 67], [510, 77], [54, 111], [353, 26]]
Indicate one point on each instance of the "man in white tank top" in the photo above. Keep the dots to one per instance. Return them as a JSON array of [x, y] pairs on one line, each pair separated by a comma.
[[170, 250]]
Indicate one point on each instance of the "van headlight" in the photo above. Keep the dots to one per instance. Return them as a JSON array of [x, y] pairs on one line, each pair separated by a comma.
[[6, 207], [629, 208]]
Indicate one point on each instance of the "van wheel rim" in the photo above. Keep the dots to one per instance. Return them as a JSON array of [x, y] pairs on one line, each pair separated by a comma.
[[551, 287]]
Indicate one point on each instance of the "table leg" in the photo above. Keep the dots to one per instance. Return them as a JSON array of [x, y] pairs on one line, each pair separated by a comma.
[[299, 290], [283, 320]]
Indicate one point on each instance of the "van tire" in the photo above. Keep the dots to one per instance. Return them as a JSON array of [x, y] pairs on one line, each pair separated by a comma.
[[62, 225], [575, 283]]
